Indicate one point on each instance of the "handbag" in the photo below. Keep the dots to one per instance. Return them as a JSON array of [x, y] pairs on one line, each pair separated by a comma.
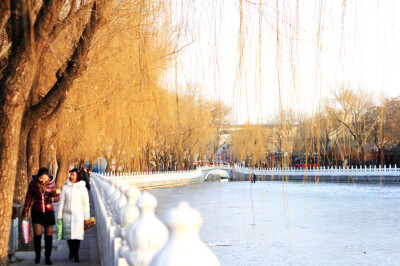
[[26, 235], [59, 229], [89, 223]]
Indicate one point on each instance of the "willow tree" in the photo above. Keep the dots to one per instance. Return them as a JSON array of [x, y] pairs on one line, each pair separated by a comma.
[[114, 104], [32, 28], [251, 144]]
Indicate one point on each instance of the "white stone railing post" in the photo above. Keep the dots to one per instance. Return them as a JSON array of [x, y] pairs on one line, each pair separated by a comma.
[[128, 216], [147, 234], [184, 246], [116, 224]]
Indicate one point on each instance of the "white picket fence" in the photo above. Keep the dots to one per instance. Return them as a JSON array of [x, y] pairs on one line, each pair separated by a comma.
[[128, 231]]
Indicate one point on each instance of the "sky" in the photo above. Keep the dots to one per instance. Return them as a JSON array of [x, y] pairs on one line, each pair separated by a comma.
[[322, 44]]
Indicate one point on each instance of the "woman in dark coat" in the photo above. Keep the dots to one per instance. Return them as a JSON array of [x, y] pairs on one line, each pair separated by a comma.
[[41, 194]]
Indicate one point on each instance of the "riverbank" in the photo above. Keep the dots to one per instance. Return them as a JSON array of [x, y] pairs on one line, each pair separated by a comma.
[[321, 178]]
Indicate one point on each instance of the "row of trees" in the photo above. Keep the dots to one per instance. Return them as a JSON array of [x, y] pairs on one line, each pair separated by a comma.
[[38, 67], [81, 80], [349, 123]]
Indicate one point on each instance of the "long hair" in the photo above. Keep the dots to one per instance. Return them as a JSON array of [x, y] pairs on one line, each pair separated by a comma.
[[78, 174], [81, 175]]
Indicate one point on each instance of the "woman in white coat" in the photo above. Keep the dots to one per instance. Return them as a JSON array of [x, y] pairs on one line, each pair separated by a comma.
[[74, 209]]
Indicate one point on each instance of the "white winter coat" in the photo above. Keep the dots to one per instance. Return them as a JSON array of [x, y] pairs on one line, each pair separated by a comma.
[[74, 209]]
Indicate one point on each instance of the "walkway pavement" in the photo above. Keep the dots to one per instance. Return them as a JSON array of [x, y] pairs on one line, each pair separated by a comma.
[[88, 253]]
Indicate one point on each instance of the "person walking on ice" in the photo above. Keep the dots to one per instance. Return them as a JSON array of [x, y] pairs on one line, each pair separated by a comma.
[[253, 178]]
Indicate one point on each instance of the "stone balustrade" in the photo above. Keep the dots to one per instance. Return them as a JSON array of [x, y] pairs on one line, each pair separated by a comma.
[[129, 233], [157, 179], [341, 173]]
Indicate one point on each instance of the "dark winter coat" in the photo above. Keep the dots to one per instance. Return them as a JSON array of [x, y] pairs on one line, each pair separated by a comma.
[[86, 178], [40, 201]]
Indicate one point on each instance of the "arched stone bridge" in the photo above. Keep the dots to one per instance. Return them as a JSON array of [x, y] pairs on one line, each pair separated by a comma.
[[223, 171]]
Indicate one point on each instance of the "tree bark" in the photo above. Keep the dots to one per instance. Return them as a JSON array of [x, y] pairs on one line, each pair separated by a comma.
[[92, 160], [62, 173], [33, 150], [45, 151], [10, 126], [109, 160], [148, 158], [173, 161], [81, 163], [166, 160], [22, 178], [157, 160], [14, 91], [191, 159], [53, 163]]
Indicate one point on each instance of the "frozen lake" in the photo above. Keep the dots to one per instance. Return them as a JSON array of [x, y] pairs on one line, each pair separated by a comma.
[[277, 223]]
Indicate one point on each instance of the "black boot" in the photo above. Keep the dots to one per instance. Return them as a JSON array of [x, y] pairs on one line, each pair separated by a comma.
[[37, 245], [77, 243], [48, 245], [71, 248]]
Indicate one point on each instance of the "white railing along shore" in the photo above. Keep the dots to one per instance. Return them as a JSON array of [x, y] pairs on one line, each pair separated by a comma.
[[157, 179], [128, 231], [322, 171]]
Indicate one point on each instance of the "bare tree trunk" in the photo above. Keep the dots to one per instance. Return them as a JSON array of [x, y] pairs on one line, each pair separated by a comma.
[[166, 160], [54, 165], [92, 160], [15, 87], [22, 179], [62, 173], [10, 126], [21, 182], [148, 158], [132, 164], [81, 163], [44, 156], [157, 159], [142, 160], [191, 162], [173, 161], [180, 159], [109, 160], [33, 150], [362, 156]]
